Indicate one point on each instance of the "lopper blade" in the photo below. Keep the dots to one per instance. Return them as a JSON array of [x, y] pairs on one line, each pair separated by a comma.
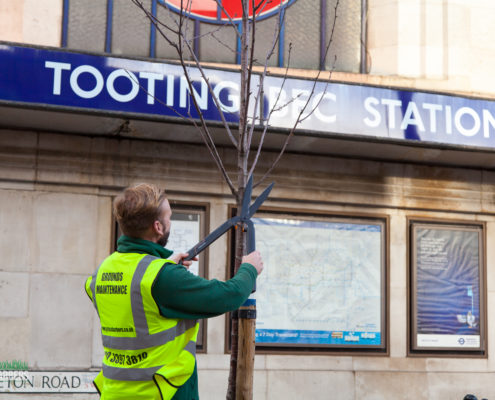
[[203, 244], [260, 200]]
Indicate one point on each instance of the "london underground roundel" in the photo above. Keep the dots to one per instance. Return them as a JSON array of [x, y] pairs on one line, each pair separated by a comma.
[[210, 11]]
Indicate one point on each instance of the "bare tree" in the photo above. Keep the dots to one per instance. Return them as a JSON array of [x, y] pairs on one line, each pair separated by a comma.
[[252, 117]]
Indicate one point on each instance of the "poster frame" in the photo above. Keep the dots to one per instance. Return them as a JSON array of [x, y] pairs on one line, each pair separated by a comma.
[[203, 209], [413, 350], [328, 215]]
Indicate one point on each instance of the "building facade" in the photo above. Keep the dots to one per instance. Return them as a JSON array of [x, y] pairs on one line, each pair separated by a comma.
[[396, 165]]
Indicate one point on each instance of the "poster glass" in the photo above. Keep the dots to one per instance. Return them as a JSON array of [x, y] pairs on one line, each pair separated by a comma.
[[447, 287], [323, 282], [185, 232], [188, 227]]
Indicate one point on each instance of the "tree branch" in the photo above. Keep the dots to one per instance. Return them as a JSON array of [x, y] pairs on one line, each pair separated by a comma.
[[202, 127], [267, 122], [259, 95], [299, 117], [232, 22]]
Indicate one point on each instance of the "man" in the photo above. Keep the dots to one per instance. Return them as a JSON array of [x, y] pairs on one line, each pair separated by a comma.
[[148, 304]]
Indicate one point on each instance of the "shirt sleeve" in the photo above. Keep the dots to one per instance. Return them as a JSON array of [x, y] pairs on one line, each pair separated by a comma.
[[181, 294]]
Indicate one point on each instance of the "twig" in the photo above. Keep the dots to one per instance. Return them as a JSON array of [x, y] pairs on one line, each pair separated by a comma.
[[203, 128], [274, 109], [298, 120]]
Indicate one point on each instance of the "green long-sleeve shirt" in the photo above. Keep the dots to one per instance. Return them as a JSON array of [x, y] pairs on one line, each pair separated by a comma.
[[180, 294]]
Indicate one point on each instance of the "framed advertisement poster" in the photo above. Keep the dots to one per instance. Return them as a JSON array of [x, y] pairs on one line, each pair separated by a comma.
[[447, 302], [187, 229], [188, 226], [324, 283]]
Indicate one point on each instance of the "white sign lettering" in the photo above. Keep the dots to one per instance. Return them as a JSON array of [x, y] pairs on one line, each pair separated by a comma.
[[466, 120], [47, 382], [323, 106]]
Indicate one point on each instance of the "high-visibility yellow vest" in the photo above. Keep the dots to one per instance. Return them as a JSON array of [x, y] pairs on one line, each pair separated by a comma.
[[143, 350]]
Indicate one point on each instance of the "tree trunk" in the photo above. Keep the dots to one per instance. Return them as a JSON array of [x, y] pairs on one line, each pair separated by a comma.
[[245, 345], [240, 246], [245, 354], [176, 34]]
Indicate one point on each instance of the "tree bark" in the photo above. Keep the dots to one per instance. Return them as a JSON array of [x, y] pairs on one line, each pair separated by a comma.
[[240, 246], [245, 354], [176, 34]]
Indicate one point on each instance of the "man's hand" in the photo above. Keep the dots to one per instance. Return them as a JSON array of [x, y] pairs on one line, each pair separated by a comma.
[[255, 260], [179, 259]]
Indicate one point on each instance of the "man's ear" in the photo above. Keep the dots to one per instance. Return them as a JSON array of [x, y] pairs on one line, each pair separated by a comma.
[[158, 228]]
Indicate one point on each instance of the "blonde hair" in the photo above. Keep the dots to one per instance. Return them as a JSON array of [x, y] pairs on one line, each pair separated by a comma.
[[137, 208]]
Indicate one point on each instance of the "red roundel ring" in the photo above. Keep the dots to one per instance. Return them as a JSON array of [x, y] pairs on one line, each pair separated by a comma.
[[209, 11]]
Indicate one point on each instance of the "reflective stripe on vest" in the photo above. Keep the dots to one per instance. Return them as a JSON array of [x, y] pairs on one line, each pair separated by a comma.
[[139, 374], [157, 339], [145, 346], [92, 287], [143, 339]]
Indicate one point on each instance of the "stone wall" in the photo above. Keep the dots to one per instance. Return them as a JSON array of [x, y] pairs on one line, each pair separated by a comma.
[[31, 21], [444, 43], [56, 226]]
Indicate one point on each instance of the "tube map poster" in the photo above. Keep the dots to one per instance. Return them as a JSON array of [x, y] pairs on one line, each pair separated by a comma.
[[322, 284]]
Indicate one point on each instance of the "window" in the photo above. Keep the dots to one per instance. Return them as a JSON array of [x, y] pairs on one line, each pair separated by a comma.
[[119, 27], [447, 304]]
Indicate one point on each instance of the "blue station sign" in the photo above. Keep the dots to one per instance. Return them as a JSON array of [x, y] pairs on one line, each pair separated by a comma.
[[154, 90]]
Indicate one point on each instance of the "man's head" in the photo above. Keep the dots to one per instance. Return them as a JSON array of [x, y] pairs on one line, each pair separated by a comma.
[[143, 211]]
